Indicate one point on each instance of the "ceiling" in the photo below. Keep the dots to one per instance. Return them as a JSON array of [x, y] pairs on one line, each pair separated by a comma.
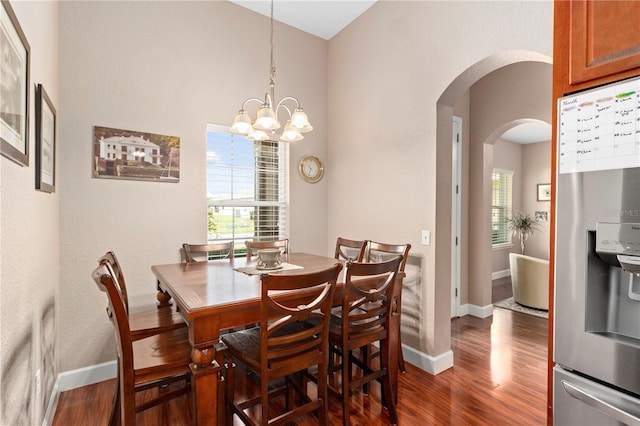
[[531, 132], [326, 18], [322, 18]]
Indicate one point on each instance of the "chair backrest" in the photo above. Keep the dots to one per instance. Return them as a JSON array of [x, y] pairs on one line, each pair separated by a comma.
[[294, 333], [369, 286], [254, 246], [112, 260], [105, 278], [350, 249], [205, 252], [377, 252]]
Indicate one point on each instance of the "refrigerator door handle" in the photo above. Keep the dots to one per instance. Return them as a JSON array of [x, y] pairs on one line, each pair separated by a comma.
[[597, 403]]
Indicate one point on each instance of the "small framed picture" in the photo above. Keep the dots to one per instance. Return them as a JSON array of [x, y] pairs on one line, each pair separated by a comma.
[[14, 75], [45, 142], [541, 216], [544, 192]]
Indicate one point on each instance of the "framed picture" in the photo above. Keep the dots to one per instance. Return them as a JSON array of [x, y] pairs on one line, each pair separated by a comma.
[[544, 192], [14, 90], [45, 142], [135, 155], [541, 216]]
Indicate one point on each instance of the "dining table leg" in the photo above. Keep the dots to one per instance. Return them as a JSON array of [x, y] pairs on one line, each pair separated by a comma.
[[164, 298], [204, 388]]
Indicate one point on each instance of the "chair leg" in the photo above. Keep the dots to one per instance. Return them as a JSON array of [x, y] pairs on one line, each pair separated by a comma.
[[388, 397], [366, 359], [114, 417], [401, 365], [292, 382], [323, 394], [346, 394]]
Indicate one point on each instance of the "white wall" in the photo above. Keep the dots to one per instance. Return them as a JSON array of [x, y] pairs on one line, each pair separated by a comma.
[[167, 68], [29, 247], [387, 73]]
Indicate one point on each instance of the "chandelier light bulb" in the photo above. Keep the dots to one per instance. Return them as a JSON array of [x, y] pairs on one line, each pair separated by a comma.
[[266, 119], [300, 121], [290, 134], [242, 124], [258, 135]]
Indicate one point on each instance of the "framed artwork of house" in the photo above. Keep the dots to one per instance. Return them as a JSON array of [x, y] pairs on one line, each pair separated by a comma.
[[135, 155]]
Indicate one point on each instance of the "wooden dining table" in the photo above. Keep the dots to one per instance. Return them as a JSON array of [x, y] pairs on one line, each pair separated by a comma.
[[215, 296]]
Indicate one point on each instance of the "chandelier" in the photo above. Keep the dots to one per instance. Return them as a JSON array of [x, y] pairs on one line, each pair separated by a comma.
[[266, 124]]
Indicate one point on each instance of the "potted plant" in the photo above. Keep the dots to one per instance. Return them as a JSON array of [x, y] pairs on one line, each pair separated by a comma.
[[522, 225]]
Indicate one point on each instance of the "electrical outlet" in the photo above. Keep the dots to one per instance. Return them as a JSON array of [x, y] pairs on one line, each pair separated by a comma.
[[426, 238]]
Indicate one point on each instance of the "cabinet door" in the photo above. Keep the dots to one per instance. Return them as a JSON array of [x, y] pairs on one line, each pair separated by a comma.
[[605, 38]]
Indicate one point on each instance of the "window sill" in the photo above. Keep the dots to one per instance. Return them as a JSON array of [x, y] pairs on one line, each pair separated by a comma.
[[501, 246]]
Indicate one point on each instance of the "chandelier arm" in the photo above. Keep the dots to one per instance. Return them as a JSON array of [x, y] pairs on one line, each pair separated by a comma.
[[244, 104], [288, 98], [280, 104]]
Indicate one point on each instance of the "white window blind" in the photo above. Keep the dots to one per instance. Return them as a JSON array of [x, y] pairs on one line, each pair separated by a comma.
[[501, 206], [246, 188]]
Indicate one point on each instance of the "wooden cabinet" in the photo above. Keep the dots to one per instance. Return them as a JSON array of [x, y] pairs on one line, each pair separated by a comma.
[[596, 42]]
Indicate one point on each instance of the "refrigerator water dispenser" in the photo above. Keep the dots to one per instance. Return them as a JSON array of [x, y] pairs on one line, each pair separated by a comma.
[[613, 282]]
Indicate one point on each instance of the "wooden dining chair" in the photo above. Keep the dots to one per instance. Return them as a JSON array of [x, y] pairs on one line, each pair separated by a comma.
[[145, 323], [370, 284], [206, 252], [154, 361], [292, 338], [347, 249], [252, 246], [377, 252]]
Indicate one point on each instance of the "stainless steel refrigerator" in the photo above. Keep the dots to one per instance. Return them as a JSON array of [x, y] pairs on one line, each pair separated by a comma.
[[597, 258]]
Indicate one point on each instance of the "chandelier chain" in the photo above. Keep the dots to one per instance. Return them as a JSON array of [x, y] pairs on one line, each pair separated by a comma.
[[272, 71]]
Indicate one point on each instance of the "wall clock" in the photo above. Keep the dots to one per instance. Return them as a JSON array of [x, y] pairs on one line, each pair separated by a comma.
[[311, 168]]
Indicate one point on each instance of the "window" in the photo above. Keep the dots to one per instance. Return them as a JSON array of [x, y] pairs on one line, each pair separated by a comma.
[[246, 188], [500, 207]]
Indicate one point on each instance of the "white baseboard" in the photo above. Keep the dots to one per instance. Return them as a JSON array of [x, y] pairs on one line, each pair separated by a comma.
[[75, 379], [481, 311], [501, 274], [476, 311], [432, 365], [53, 403], [463, 310], [87, 375]]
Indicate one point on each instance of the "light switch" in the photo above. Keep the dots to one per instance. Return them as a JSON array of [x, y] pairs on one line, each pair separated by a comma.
[[426, 238]]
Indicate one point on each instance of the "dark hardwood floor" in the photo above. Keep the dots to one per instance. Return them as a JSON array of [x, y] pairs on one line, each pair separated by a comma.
[[499, 378], [501, 289]]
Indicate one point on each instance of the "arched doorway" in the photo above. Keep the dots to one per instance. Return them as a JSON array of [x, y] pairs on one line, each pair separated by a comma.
[[476, 260]]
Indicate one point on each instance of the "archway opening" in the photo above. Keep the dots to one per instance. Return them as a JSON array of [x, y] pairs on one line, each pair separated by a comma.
[[472, 90]]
